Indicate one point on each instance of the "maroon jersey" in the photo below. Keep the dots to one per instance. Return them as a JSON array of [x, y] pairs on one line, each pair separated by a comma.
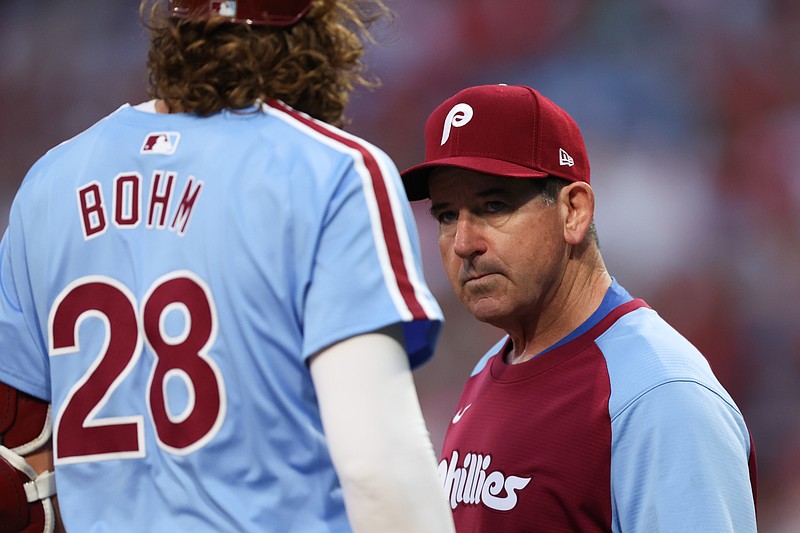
[[606, 431]]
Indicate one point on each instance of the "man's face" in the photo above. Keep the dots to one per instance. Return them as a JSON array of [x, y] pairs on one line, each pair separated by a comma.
[[502, 247]]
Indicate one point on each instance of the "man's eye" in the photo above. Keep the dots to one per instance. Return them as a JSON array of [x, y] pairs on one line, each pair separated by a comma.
[[446, 217], [495, 206]]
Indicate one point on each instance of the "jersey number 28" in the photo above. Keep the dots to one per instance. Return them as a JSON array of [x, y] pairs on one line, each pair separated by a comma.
[[80, 435]]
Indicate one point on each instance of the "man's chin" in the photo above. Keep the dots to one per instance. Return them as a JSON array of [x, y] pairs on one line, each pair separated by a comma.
[[485, 310]]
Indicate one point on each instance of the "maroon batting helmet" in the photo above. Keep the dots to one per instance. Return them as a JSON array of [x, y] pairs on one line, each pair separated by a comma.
[[257, 12]]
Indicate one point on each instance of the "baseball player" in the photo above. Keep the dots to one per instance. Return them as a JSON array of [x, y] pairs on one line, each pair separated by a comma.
[[211, 302], [591, 414]]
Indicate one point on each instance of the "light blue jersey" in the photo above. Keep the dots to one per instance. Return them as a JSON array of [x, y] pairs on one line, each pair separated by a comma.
[[165, 279]]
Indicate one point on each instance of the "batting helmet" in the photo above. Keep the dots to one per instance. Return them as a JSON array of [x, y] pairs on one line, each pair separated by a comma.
[[257, 12]]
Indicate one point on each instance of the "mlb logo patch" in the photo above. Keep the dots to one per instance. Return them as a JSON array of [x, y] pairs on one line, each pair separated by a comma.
[[161, 142], [224, 9]]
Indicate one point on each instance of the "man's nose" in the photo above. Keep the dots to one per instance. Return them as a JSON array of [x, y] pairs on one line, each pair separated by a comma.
[[469, 239]]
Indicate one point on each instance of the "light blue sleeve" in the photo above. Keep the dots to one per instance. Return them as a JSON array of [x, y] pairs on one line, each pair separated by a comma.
[[367, 267], [680, 446], [23, 359], [680, 463]]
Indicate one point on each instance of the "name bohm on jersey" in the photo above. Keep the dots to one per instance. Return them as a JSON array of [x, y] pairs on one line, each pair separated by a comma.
[[473, 483], [160, 209]]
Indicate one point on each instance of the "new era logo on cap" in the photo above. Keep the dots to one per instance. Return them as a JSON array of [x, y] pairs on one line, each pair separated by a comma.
[[564, 159], [502, 130]]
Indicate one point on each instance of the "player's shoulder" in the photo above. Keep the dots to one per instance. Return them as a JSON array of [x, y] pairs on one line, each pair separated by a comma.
[[322, 134], [86, 135], [643, 337], [642, 351], [57, 158]]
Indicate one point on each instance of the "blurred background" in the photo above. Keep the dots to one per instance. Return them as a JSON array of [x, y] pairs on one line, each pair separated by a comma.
[[691, 114]]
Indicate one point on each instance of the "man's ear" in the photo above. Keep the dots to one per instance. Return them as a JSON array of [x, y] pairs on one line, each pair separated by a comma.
[[578, 200]]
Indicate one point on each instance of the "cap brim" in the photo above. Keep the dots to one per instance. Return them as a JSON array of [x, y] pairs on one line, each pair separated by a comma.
[[415, 179]]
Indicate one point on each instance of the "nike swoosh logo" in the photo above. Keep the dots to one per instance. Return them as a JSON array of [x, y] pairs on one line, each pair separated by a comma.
[[460, 414]]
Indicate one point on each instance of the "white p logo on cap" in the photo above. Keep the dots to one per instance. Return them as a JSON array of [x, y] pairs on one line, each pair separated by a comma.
[[459, 116]]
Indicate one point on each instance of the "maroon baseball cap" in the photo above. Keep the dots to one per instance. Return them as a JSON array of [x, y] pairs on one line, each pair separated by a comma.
[[502, 130]]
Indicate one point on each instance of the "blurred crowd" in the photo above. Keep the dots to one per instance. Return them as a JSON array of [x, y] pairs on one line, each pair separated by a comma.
[[691, 114]]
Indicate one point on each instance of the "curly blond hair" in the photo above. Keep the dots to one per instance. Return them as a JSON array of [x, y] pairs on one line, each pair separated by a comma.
[[204, 66]]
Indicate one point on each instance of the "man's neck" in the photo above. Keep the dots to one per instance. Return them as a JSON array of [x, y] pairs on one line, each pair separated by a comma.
[[574, 302]]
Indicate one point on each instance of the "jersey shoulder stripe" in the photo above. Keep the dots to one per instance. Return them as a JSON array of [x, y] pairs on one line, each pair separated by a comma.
[[390, 231]]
